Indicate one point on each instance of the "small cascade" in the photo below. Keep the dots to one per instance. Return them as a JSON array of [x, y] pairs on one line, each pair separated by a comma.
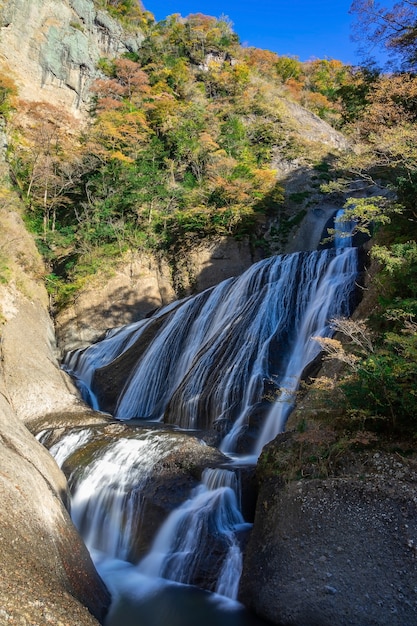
[[71, 442], [343, 231], [106, 502], [228, 581], [201, 534]]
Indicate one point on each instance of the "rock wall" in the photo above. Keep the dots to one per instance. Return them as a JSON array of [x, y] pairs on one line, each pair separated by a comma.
[[60, 42], [142, 283], [46, 574], [340, 550]]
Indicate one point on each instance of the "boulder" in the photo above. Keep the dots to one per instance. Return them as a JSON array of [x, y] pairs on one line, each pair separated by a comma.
[[340, 550], [46, 574]]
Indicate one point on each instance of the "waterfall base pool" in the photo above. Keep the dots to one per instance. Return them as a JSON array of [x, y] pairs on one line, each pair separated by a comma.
[[139, 600]]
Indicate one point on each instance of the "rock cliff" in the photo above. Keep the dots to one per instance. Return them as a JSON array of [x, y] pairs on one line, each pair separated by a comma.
[[46, 574], [333, 550], [336, 550], [57, 44]]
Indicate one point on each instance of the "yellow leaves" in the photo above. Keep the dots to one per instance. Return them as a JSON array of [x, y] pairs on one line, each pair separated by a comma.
[[266, 178], [119, 156], [120, 132], [162, 111]]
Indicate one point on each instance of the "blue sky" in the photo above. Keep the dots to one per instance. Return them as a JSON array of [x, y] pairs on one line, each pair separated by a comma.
[[303, 28]]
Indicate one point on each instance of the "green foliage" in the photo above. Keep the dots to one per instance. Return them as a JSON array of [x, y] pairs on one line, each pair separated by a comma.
[[382, 355], [384, 383], [77, 25], [7, 91], [400, 261], [288, 67], [354, 95], [129, 12], [180, 146], [299, 196], [4, 269], [369, 212]]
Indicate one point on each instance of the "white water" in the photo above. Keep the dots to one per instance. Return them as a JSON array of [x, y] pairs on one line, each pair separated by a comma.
[[228, 353], [221, 356], [106, 509], [106, 503], [81, 364], [69, 444], [327, 302], [211, 514]]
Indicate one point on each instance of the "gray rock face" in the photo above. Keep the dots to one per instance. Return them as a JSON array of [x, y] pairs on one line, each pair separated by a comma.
[[46, 574], [60, 42], [337, 551], [144, 283]]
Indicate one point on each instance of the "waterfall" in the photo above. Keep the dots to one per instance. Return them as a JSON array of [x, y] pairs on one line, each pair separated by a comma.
[[221, 357], [107, 496], [69, 444], [201, 526], [228, 360], [328, 301]]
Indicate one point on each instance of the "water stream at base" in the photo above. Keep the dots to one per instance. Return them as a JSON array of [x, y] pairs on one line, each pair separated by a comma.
[[220, 353]]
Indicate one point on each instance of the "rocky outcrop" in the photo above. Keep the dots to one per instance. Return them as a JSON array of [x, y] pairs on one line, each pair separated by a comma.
[[46, 574], [340, 550], [60, 42], [312, 128], [143, 283], [34, 384]]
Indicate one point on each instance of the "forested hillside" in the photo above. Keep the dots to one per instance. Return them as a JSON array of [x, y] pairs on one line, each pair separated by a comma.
[[182, 142]]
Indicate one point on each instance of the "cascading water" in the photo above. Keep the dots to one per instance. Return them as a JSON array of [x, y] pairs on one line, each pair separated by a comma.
[[210, 514], [229, 359], [218, 357]]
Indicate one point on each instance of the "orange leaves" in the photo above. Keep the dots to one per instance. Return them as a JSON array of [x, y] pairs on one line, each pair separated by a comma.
[[394, 100], [262, 60], [121, 127], [265, 180], [129, 81], [207, 142], [109, 94], [133, 79], [316, 102]]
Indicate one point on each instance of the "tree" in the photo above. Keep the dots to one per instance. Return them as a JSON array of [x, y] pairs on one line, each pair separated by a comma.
[[46, 160], [128, 11], [392, 28]]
